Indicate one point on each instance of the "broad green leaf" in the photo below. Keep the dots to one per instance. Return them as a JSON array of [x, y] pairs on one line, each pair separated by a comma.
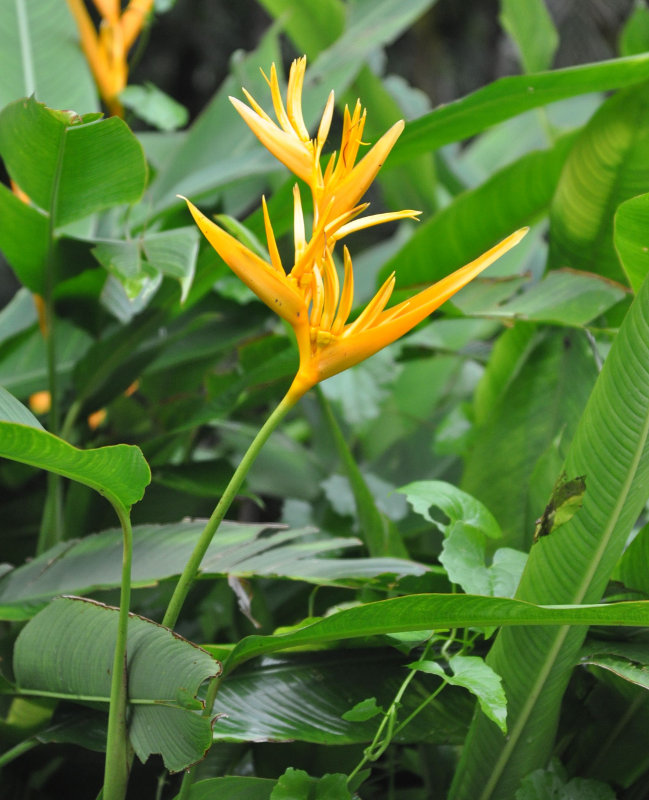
[[118, 472], [40, 55], [547, 785], [12, 410], [571, 565], [464, 550], [510, 96], [464, 557], [634, 38], [515, 196], [154, 106], [473, 674], [529, 372], [233, 786], [24, 239], [562, 297], [296, 783], [609, 163], [426, 612], [462, 510], [67, 651], [67, 167], [160, 551], [630, 236], [531, 27], [307, 697]]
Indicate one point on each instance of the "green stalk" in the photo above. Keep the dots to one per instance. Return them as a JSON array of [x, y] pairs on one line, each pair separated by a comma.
[[117, 748], [17, 750], [193, 564], [51, 530]]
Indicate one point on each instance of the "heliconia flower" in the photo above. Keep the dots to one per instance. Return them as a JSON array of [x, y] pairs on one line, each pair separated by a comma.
[[106, 51], [309, 295]]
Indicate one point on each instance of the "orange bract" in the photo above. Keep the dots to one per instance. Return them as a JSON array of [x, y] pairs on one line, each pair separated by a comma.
[[309, 295]]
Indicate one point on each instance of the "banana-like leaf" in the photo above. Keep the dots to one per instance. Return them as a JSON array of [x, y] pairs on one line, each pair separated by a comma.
[[530, 371], [516, 195], [67, 651], [70, 166], [508, 97], [160, 551], [609, 163], [303, 697], [425, 612], [571, 565]]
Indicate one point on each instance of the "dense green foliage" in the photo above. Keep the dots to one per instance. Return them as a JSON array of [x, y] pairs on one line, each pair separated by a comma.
[[405, 600]]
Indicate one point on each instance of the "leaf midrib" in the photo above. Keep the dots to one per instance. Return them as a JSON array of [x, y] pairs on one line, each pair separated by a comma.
[[29, 73]]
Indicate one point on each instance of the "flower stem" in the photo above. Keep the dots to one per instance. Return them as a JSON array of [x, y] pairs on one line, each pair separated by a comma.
[[117, 747], [193, 564]]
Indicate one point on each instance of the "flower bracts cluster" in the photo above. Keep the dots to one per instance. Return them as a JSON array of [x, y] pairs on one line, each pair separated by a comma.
[[309, 294]]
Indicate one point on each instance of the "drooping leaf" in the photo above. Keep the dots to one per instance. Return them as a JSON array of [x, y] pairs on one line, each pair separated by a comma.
[[160, 551], [118, 472], [70, 168], [607, 165], [67, 650], [33, 38], [627, 660]]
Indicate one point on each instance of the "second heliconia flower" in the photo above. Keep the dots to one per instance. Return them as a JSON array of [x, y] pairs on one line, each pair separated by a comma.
[[309, 295]]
